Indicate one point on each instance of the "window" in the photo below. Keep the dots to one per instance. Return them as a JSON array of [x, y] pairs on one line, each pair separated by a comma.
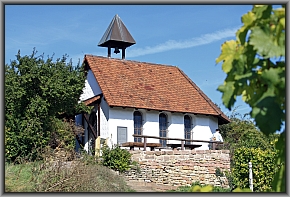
[[121, 135], [137, 126], [163, 128], [187, 128]]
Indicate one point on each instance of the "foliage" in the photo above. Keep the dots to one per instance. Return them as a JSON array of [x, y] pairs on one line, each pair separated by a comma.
[[62, 135], [263, 168], [36, 91], [241, 132], [255, 73], [279, 182], [116, 158]]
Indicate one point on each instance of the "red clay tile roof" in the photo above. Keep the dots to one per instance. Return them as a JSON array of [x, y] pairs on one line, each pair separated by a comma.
[[142, 85], [90, 101]]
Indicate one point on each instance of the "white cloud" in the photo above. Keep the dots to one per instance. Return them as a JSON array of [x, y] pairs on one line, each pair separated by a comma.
[[173, 44]]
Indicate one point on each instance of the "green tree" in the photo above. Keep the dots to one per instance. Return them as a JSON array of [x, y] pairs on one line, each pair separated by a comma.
[[255, 68], [241, 136], [242, 132], [36, 91]]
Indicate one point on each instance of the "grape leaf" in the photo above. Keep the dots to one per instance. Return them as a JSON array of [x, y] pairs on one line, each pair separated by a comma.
[[262, 11], [264, 44], [227, 55], [242, 34], [248, 19], [267, 112], [273, 76], [279, 182], [228, 94], [252, 74]]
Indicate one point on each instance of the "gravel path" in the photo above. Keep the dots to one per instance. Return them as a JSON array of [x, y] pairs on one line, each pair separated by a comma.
[[142, 186]]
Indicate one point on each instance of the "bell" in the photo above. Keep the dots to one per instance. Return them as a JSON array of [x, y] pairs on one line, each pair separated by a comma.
[[117, 50]]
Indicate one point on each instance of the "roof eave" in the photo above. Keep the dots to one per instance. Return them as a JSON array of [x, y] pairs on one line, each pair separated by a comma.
[[221, 119]]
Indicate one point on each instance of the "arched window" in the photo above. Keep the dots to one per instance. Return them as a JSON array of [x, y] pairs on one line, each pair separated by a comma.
[[137, 126], [163, 128], [187, 128]]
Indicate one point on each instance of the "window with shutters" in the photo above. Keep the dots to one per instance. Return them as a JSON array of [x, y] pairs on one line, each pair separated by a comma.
[[137, 125], [163, 128], [187, 128], [121, 135]]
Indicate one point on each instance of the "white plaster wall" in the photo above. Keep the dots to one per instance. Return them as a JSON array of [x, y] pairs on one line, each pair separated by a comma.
[[213, 123], [122, 118], [202, 126], [111, 118], [91, 88], [104, 122], [203, 130], [151, 125], [176, 128]]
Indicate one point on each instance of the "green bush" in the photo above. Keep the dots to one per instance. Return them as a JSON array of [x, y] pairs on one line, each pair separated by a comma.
[[116, 158], [263, 168], [37, 89], [62, 135]]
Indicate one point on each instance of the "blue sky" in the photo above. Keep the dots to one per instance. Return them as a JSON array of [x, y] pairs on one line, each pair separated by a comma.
[[187, 36]]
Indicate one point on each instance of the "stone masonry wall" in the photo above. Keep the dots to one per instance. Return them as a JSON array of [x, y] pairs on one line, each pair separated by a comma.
[[180, 167]]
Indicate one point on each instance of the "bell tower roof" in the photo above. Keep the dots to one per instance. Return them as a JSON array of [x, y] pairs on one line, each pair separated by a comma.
[[117, 36]]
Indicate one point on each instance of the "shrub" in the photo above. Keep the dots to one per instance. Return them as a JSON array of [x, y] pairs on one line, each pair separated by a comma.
[[263, 167], [62, 135], [78, 177], [62, 176], [116, 158]]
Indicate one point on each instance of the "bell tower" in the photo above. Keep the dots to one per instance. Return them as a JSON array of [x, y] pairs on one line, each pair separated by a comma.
[[117, 36]]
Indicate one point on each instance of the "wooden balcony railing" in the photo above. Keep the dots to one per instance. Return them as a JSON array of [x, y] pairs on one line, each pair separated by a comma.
[[173, 146]]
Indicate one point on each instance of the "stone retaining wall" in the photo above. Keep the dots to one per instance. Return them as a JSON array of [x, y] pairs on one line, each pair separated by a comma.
[[180, 167]]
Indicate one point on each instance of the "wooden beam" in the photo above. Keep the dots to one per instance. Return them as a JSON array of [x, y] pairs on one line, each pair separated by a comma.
[[180, 139], [99, 119], [145, 139], [91, 127], [182, 145], [140, 144]]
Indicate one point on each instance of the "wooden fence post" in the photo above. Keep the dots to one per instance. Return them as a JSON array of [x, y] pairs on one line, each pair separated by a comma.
[[145, 139], [182, 145], [213, 145], [251, 176], [97, 146]]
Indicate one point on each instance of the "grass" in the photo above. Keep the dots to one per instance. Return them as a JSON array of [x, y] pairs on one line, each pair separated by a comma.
[[188, 188], [17, 178], [55, 177]]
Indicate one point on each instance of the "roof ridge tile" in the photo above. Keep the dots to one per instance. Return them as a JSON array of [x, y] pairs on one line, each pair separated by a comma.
[[158, 64]]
